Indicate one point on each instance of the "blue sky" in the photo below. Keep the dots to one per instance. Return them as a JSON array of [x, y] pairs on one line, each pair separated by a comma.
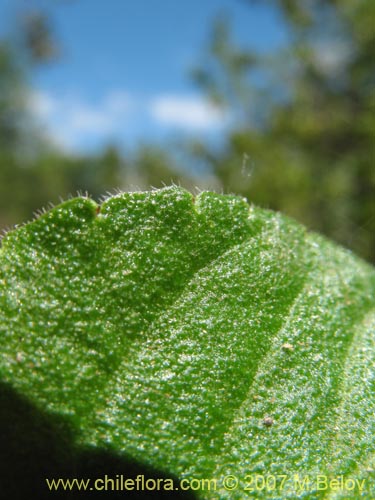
[[123, 70]]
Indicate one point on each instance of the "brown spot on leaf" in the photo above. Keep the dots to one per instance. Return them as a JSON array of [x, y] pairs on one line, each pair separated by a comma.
[[287, 347], [268, 421]]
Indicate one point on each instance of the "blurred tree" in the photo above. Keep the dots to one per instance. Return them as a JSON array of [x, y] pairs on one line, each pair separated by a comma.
[[37, 35], [304, 135], [12, 101]]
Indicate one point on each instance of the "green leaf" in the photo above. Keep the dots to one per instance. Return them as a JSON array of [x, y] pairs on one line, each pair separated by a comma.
[[199, 337]]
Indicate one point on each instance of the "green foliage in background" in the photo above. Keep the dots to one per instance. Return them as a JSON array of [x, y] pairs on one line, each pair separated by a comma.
[[200, 337], [303, 140]]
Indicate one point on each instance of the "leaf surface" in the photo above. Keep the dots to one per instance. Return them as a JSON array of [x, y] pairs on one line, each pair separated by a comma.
[[206, 337]]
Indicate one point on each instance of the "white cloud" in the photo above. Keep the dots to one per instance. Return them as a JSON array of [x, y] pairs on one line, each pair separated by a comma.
[[42, 104], [86, 119], [70, 121], [186, 112]]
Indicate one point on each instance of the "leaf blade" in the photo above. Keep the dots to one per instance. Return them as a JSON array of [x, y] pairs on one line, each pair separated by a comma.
[[187, 323]]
